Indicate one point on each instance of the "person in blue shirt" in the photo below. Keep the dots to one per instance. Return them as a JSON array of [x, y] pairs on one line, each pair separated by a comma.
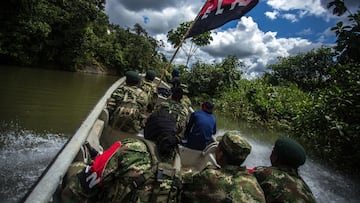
[[200, 128]]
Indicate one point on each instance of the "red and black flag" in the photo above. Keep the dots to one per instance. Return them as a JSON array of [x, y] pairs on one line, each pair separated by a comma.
[[216, 13]]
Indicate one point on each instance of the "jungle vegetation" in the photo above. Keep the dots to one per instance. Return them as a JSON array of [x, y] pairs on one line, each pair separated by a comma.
[[71, 35], [314, 96]]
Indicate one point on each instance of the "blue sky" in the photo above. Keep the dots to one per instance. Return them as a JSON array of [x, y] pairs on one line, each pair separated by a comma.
[[274, 28]]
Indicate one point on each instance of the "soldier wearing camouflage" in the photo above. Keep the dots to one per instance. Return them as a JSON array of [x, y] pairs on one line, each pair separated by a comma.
[[150, 88], [231, 182], [281, 182], [177, 109], [127, 105], [130, 174]]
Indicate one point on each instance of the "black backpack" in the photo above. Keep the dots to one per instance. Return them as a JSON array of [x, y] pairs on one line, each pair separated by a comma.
[[159, 123]]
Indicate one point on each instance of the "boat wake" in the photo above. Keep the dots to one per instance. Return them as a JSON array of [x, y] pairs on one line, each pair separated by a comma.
[[24, 155]]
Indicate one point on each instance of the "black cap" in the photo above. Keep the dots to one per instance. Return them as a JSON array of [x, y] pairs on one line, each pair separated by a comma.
[[209, 106]]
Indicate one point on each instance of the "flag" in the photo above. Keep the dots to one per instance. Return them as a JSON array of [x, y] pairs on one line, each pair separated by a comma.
[[216, 13]]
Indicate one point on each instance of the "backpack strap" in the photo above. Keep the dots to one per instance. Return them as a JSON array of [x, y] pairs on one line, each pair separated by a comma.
[[160, 170]]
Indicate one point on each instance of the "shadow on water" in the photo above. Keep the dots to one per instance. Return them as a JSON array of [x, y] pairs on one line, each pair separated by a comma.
[[327, 185]]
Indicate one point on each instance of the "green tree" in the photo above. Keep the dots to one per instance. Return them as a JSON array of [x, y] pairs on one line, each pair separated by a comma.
[[176, 37], [210, 80], [348, 34], [308, 70]]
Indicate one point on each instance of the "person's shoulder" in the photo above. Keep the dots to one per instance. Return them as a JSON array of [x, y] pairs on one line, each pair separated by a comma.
[[261, 172]]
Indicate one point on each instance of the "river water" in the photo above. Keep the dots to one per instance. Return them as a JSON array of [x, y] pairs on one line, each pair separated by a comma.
[[41, 109]]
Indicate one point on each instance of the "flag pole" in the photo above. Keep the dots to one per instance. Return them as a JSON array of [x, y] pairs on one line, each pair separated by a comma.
[[181, 43]]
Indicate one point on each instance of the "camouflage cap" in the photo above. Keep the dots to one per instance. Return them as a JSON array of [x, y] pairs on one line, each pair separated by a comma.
[[235, 146], [132, 77], [290, 152], [150, 75]]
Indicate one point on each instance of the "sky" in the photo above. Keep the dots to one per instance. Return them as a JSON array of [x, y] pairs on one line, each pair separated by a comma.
[[272, 29]]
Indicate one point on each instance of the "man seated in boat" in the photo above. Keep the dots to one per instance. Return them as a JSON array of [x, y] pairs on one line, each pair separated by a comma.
[[150, 88], [128, 104], [176, 108], [281, 181], [131, 170], [201, 127], [228, 182]]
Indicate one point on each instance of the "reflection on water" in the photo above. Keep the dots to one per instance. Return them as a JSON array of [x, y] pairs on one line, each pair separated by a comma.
[[48, 100]]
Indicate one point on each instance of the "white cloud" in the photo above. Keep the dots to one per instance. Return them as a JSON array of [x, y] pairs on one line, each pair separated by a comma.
[[313, 7], [247, 41], [272, 15], [290, 17], [254, 47]]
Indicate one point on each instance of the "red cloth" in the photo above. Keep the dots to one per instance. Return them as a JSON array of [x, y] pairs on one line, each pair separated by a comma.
[[216, 13], [101, 160], [251, 170]]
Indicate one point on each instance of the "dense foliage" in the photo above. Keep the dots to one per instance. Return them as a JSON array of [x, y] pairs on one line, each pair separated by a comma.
[[207, 80], [315, 96], [72, 35]]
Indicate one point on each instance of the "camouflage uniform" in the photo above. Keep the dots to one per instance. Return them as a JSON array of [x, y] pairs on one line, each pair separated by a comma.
[[281, 182], [129, 176], [230, 183], [179, 111], [283, 185], [186, 101], [127, 108], [150, 89]]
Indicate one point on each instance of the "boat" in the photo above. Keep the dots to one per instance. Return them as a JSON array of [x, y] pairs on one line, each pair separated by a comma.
[[95, 129]]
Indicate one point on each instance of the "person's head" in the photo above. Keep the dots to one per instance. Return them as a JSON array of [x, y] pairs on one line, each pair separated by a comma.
[[232, 149], [287, 152], [177, 94], [150, 75], [175, 73], [132, 78], [207, 106]]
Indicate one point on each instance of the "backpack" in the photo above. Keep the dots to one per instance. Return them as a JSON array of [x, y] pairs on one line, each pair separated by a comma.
[[179, 111], [126, 107], [161, 172], [159, 123], [91, 178], [150, 90]]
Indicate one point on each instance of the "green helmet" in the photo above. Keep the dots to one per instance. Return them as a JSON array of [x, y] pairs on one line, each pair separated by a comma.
[[235, 147], [150, 75], [132, 77], [290, 152]]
